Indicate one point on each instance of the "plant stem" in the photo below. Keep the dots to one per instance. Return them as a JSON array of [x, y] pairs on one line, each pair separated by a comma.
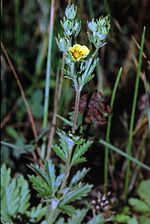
[[106, 165], [48, 73], [67, 171], [130, 140], [77, 101]]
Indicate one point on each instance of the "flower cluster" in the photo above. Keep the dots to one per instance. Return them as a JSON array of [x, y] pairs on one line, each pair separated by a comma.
[[78, 54], [99, 30], [71, 28]]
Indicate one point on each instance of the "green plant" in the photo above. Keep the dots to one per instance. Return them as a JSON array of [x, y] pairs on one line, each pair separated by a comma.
[[15, 200], [57, 188], [138, 207]]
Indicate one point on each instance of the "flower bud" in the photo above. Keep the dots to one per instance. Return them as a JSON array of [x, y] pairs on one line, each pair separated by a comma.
[[63, 43], [70, 12]]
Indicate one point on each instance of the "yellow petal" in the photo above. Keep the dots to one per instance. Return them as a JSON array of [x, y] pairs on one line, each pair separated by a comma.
[[79, 52]]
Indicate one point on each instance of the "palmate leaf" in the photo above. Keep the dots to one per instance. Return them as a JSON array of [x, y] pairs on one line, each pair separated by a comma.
[[78, 176], [40, 186], [76, 194], [79, 151]]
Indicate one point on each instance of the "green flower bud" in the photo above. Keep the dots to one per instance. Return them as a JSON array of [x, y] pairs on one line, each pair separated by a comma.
[[70, 12], [92, 26], [63, 43], [67, 26], [103, 25], [77, 27], [99, 30]]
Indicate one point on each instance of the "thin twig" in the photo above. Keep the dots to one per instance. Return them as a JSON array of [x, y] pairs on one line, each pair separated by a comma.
[[8, 116], [23, 97]]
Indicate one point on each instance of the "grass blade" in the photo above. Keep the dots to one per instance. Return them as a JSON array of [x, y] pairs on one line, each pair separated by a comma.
[[130, 140], [127, 156], [109, 128]]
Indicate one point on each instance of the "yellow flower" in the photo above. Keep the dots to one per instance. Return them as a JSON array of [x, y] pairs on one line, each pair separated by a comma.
[[78, 52]]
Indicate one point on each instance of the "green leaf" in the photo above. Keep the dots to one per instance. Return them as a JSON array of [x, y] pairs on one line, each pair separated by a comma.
[[61, 221], [76, 194], [59, 152], [133, 221], [41, 173], [36, 213], [98, 219], [144, 220], [79, 160], [12, 198], [40, 186], [122, 218], [67, 209], [51, 173], [58, 181], [67, 122], [15, 195], [5, 178], [139, 205], [78, 176], [79, 151], [143, 191], [24, 195], [77, 217]]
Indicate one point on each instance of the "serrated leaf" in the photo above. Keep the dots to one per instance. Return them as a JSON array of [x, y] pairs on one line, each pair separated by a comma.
[[59, 152], [36, 213], [80, 160], [41, 173], [24, 195], [12, 198], [5, 178], [67, 209], [78, 176], [51, 172], [40, 186], [79, 151], [76, 194]]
